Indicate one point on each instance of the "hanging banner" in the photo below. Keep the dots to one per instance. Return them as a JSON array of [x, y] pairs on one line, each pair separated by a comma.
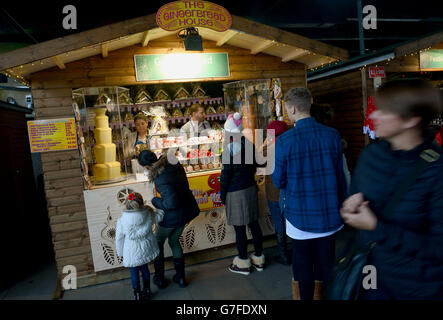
[[52, 135], [185, 14]]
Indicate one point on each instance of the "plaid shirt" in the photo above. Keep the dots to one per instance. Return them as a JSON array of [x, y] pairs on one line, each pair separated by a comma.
[[309, 166]]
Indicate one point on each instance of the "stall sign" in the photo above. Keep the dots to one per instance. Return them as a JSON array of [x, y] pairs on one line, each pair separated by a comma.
[[181, 66], [185, 14], [377, 72], [206, 190], [52, 135], [431, 60]]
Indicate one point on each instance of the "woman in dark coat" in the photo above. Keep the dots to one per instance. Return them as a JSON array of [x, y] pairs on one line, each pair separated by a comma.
[[408, 252], [179, 206]]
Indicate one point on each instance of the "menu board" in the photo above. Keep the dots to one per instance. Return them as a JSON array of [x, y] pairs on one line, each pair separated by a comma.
[[52, 135]]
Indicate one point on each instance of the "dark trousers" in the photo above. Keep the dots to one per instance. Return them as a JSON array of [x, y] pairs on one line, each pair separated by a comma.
[[135, 277], [173, 235], [277, 217], [312, 259], [241, 239]]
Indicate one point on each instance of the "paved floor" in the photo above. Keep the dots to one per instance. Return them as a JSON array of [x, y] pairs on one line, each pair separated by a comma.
[[40, 285], [207, 281]]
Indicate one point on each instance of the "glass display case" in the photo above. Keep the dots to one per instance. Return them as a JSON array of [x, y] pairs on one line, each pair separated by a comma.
[[100, 120], [252, 98], [109, 139]]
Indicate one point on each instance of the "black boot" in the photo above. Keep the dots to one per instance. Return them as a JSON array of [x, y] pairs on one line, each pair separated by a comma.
[[146, 293], [137, 294], [159, 266], [282, 257], [179, 277]]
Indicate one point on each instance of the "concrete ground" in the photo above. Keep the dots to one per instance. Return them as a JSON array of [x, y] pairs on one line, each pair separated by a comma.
[[207, 281]]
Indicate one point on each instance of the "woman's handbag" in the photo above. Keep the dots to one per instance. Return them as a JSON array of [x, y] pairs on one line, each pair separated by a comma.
[[347, 274]]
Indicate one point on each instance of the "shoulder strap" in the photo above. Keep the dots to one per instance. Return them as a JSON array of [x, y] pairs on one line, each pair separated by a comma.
[[426, 157]]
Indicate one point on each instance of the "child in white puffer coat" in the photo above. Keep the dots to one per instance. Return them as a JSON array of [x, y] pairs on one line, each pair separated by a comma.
[[136, 243]]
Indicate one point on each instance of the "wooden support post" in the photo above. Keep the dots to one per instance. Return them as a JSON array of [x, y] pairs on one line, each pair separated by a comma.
[[146, 38], [58, 294], [105, 50], [265, 44], [297, 53], [58, 61], [226, 37]]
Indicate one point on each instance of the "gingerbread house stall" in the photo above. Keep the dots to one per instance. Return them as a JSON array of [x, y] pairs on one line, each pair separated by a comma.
[[80, 75]]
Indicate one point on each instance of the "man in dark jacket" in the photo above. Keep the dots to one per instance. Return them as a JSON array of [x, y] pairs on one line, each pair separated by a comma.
[[179, 206]]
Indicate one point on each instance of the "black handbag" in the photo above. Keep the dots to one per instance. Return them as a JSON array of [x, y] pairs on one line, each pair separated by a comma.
[[347, 273]]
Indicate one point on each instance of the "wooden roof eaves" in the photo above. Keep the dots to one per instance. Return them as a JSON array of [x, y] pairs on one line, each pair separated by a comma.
[[142, 24], [69, 43], [288, 38]]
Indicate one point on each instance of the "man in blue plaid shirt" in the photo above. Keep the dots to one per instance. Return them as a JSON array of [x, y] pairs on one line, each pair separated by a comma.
[[309, 172]]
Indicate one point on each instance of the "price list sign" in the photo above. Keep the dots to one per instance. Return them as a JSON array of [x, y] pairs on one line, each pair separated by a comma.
[[52, 135]]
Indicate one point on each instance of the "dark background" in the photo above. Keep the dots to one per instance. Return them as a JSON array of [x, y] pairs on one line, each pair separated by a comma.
[[330, 21]]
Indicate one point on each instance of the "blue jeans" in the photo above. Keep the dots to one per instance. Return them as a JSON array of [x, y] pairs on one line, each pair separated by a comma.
[[135, 277], [277, 217]]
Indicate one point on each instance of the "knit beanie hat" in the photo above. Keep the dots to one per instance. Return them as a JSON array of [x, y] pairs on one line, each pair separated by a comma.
[[147, 158], [280, 127], [234, 123]]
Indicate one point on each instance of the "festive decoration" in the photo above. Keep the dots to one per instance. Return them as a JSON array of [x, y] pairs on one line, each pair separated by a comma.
[[368, 126]]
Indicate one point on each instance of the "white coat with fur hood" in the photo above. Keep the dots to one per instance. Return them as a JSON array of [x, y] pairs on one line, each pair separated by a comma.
[[135, 240]]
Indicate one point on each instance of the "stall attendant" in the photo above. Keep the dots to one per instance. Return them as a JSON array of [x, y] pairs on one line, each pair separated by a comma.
[[197, 125], [137, 138]]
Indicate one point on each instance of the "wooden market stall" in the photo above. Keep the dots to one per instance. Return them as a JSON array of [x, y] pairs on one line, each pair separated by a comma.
[[347, 86], [81, 224]]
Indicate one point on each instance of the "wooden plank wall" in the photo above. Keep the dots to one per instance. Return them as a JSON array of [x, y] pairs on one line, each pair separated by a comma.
[[344, 94], [52, 92], [64, 188]]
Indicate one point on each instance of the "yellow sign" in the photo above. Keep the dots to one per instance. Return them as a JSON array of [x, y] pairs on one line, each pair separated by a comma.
[[185, 14], [206, 190], [52, 135]]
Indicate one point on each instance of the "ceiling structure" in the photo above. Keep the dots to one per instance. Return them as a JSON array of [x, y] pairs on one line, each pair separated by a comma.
[[244, 33], [331, 21]]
